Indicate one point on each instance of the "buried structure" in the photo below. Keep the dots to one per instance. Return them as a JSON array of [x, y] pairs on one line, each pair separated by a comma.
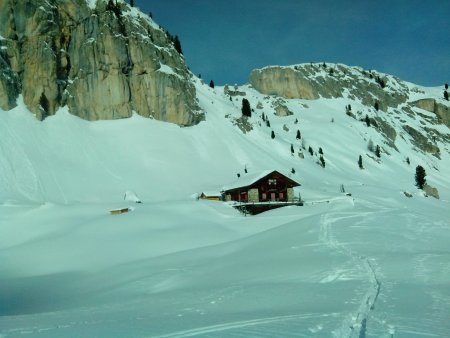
[[255, 193]]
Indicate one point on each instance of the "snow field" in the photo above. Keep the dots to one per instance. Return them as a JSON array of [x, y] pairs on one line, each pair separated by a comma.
[[374, 264]]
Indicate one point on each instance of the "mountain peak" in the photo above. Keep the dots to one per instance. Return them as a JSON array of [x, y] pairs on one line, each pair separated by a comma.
[[102, 59]]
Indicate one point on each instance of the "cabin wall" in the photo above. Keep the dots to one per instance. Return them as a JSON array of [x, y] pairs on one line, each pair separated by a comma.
[[253, 195], [290, 194]]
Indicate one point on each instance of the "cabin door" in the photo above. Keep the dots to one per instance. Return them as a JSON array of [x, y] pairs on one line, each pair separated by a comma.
[[272, 196]]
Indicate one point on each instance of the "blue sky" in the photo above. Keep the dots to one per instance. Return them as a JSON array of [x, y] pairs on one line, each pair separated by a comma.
[[224, 40]]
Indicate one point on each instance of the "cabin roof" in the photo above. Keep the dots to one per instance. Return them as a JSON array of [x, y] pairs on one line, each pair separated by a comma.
[[248, 179]]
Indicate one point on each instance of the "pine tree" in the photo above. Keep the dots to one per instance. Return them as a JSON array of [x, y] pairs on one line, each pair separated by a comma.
[[263, 117], [322, 161], [211, 84], [310, 150], [267, 123], [299, 136], [296, 121], [292, 149], [246, 110], [377, 151], [293, 170], [360, 163], [407, 161], [320, 151], [177, 45], [272, 135], [446, 86], [420, 177], [367, 120], [132, 3], [446, 95], [376, 105]]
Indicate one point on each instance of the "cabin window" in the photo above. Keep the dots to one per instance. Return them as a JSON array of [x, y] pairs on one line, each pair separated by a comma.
[[272, 181], [264, 196], [281, 195]]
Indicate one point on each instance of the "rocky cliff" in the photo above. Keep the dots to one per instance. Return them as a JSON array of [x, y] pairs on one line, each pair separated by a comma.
[[382, 100], [102, 59], [312, 81]]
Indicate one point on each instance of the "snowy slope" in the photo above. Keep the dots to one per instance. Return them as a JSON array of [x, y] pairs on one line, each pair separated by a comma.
[[374, 264]]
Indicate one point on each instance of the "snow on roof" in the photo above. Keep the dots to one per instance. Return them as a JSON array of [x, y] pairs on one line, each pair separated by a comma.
[[247, 179]]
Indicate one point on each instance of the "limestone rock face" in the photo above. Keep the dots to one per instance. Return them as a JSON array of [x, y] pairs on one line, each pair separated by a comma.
[[103, 62], [441, 111], [311, 81], [281, 109], [284, 82]]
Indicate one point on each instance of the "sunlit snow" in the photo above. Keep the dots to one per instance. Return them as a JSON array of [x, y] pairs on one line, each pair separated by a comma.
[[368, 263]]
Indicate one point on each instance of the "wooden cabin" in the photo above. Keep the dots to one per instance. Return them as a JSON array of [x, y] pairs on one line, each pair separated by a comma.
[[262, 191]]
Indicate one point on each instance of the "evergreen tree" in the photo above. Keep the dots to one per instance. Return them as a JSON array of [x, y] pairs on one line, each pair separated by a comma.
[[292, 149], [376, 105], [420, 177], [299, 136], [377, 151], [322, 161], [407, 161], [446, 95], [246, 110], [310, 150], [272, 135], [293, 170], [320, 151], [446, 86], [211, 84], [367, 120], [132, 3], [296, 121], [263, 117], [267, 123], [114, 7], [360, 163], [177, 44]]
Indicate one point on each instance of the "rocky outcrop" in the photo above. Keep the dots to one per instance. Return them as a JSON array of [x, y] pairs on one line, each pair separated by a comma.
[[235, 92], [103, 62], [284, 82], [311, 81], [442, 112], [431, 191], [281, 109], [422, 142]]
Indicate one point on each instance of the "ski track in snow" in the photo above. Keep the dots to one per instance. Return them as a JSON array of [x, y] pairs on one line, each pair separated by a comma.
[[237, 325], [356, 325]]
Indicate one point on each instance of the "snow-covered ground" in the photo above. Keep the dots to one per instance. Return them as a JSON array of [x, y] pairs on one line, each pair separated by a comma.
[[373, 264]]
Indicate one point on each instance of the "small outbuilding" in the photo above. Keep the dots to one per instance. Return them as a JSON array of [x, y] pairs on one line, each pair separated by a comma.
[[210, 195]]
